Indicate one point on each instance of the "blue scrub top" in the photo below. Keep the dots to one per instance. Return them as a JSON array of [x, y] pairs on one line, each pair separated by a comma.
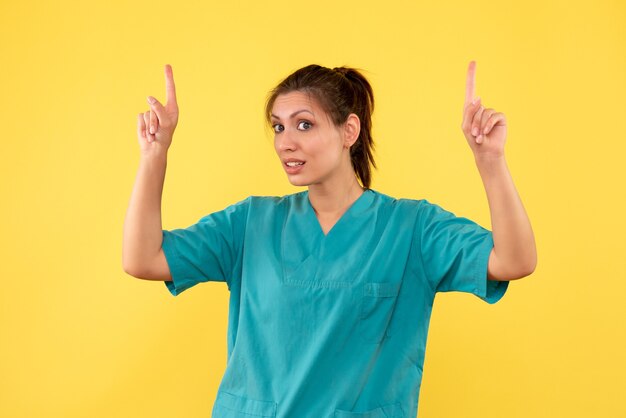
[[329, 325]]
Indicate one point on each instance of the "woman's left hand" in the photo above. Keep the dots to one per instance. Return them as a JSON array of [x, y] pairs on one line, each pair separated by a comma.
[[484, 128]]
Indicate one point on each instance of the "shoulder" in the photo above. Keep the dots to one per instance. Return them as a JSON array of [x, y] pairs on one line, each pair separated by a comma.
[[410, 205], [418, 213], [275, 200], [257, 203]]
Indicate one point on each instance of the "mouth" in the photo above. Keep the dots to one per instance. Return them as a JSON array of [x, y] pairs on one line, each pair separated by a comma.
[[294, 163], [293, 166]]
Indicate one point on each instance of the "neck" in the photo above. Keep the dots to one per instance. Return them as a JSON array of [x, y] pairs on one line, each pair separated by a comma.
[[332, 200]]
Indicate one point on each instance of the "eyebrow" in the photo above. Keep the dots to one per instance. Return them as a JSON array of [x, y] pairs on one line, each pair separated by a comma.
[[295, 113]]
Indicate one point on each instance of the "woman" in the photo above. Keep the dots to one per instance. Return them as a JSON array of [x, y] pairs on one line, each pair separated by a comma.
[[331, 289]]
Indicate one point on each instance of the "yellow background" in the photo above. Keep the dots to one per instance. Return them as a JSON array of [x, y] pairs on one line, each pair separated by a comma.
[[80, 338]]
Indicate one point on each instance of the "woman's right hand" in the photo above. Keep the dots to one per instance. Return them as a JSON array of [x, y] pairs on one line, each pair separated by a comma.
[[155, 127]]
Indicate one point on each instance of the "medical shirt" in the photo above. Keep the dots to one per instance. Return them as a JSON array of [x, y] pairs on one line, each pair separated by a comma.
[[329, 325]]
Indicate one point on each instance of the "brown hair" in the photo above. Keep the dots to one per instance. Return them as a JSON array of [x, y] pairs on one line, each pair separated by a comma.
[[339, 91]]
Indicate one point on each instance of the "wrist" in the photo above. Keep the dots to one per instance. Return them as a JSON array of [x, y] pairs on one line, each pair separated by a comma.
[[489, 159], [488, 164], [155, 151]]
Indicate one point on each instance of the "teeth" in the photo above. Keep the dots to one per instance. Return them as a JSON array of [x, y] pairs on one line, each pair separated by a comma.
[[294, 163]]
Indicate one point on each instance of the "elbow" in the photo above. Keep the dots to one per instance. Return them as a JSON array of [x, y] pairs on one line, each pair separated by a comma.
[[526, 269], [532, 265], [132, 266], [126, 266], [130, 269], [512, 269], [527, 272]]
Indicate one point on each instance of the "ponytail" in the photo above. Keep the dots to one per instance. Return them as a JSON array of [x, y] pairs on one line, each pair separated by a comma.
[[361, 153]]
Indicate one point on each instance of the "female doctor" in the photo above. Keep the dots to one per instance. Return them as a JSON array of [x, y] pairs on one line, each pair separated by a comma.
[[331, 288]]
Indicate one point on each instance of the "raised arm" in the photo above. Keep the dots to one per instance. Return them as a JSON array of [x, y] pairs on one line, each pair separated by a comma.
[[142, 255], [514, 254]]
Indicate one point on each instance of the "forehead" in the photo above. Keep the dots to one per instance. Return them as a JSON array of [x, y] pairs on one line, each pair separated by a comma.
[[287, 103]]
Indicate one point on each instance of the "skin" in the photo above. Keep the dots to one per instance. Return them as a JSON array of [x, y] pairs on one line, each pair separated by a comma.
[[155, 127], [514, 254], [142, 253], [331, 180], [311, 136]]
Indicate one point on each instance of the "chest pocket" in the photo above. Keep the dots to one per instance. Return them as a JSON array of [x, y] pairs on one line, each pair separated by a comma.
[[228, 405], [385, 411], [377, 305]]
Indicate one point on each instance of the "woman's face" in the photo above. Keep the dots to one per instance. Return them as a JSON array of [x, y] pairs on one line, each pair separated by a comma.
[[303, 132]]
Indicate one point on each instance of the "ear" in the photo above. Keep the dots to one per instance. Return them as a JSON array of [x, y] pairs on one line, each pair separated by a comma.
[[352, 128]]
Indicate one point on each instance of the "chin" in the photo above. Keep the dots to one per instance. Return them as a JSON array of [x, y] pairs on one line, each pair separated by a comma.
[[299, 182]]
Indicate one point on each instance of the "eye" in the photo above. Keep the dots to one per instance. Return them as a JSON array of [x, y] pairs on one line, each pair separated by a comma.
[[275, 125], [307, 122]]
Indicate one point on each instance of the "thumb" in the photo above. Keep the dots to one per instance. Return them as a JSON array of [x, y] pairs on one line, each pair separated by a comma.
[[157, 107]]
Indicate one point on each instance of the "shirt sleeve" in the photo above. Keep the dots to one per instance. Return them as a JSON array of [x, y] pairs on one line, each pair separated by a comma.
[[209, 250], [455, 253]]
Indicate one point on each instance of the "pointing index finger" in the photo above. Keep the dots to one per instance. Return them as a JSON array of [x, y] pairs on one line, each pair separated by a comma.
[[470, 84], [170, 88]]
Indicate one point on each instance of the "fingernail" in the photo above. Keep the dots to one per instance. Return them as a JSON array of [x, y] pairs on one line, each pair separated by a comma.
[[151, 99], [476, 100], [474, 131], [152, 129], [485, 130]]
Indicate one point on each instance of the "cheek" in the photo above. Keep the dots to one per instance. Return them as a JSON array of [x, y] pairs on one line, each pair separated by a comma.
[[330, 157]]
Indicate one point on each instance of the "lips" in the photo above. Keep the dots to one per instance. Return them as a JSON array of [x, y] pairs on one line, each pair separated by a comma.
[[295, 168], [300, 163]]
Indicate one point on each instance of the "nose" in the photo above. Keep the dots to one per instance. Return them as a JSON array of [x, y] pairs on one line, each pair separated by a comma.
[[284, 141]]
